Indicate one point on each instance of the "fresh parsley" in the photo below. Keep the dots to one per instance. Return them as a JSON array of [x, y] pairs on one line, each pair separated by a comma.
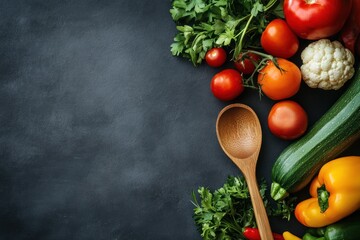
[[224, 213], [235, 24]]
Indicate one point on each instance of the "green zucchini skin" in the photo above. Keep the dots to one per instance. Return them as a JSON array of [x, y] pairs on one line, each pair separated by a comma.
[[346, 229], [336, 130]]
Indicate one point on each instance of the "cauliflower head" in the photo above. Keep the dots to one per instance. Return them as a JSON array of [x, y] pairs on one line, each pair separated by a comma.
[[326, 65]]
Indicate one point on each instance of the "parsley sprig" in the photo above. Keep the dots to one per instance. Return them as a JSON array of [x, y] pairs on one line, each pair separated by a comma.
[[224, 213], [204, 24]]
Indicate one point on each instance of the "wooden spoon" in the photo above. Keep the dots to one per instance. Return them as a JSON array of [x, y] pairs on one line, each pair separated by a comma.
[[239, 133]]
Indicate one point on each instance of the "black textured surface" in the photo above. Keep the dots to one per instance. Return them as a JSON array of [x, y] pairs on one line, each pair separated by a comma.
[[103, 134]]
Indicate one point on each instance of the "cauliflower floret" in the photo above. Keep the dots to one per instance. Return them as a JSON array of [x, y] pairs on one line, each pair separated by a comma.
[[327, 65]]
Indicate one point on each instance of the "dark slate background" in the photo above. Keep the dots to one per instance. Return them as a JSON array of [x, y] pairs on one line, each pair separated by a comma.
[[103, 134]]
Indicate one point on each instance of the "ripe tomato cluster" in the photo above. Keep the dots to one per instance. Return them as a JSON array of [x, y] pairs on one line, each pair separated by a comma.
[[228, 84], [278, 78]]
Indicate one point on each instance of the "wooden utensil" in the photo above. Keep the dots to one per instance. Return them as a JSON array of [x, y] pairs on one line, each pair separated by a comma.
[[239, 134]]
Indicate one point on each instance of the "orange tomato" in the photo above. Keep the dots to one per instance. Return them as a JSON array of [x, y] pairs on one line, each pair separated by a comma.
[[280, 83]]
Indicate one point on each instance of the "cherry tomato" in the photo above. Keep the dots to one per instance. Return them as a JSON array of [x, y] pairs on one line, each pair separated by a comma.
[[279, 40], [227, 85], [215, 57], [246, 62], [280, 83], [316, 19], [287, 120]]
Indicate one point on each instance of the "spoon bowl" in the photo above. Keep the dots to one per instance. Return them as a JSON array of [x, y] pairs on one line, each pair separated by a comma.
[[239, 134], [239, 131]]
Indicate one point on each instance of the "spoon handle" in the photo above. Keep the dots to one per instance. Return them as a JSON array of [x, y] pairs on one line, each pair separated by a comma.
[[259, 209]]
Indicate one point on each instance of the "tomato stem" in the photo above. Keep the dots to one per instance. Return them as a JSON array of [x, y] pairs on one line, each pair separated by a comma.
[[265, 58], [264, 55]]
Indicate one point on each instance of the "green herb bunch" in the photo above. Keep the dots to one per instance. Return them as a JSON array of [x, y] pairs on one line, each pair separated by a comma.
[[204, 24], [225, 213]]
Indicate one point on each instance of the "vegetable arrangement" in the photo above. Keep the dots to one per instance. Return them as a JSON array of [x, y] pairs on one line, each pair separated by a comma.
[[337, 129], [212, 29], [260, 37]]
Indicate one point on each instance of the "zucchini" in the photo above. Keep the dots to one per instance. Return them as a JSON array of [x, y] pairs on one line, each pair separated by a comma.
[[337, 129], [345, 229]]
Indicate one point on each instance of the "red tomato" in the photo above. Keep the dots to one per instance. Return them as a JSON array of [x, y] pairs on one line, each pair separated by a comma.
[[227, 85], [316, 19], [246, 62], [280, 84], [278, 39], [215, 57], [287, 120]]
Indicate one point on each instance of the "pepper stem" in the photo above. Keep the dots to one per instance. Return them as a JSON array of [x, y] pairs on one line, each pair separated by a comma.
[[323, 198]]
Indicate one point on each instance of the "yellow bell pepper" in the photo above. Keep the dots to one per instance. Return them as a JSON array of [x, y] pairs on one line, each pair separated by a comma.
[[289, 236], [335, 193]]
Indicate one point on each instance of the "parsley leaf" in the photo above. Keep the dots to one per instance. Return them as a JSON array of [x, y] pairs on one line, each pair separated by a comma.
[[225, 212]]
